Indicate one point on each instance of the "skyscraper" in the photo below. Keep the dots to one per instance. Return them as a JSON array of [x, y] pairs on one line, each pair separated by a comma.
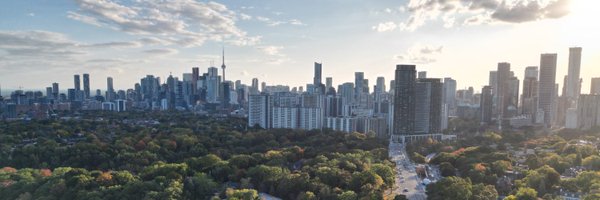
[[254, 87], [358, 85], [529, 94], [318, 74], [595, 87], [503, 97], [588, 112], [547, 89], [573, 87], [449, 95], [428, 102], [404, 101], [77, 81], [379, 88], [55, 91], [486, 105], [212, 85], [110, 91], [195, 76], [49, 94], [328, 83], [86, 86], [260, 110], [76, 93]]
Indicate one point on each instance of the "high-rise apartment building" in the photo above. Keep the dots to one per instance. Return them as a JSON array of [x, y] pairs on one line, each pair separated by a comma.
[[318, 74], [595, 86], [260, 110], [486, 105], [86, 86], [573, 87], [449, 95], [529, 94], [55, 91], [588, 111], [547, 89], [110, 90], [404, 101], [428, 106], [77, 81], [359, 82]]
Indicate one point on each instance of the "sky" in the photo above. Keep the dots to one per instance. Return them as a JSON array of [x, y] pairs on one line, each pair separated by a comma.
[[46, 41]]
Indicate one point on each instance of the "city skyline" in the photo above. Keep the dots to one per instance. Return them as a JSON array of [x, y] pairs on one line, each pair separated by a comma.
[[383, 29]]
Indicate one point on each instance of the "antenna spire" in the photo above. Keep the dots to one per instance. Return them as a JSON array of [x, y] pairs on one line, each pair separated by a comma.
[[223, 65]]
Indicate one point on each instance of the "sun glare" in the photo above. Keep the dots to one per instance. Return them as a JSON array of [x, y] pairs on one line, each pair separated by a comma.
[[581, 25]]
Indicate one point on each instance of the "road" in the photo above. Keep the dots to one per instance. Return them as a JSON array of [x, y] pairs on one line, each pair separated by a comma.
[[406, 178]]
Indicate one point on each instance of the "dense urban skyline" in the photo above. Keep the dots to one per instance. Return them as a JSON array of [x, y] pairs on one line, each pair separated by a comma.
[[269, 41]]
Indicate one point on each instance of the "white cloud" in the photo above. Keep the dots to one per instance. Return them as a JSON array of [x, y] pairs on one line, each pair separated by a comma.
[[385, 26], [54, 51], [263, 19], [420, 54], [161, 52], [275, 56], [271, 22], [296, 22], [474, 12], [183, 22], [271, 50], [244, 16]]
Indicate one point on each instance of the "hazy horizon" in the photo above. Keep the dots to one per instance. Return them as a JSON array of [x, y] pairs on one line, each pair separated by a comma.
[[277, 42]]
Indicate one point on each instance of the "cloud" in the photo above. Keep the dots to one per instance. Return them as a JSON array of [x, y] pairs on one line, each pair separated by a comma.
[[296, 22], [37, 44], [420, 54], [161, 52], [274, 55], [244, 16], [523, 11], [271, 22], [184, 22], [22, 51], [475, 12], [271, 50], [385, 26], [133, 44]]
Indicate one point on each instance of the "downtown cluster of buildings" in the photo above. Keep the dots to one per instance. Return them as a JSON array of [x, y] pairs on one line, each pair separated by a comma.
[[356, 107], [411, 106], [541, 102]]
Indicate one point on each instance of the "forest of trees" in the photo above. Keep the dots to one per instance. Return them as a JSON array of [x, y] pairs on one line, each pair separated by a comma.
[[476, 165], [117, 156]]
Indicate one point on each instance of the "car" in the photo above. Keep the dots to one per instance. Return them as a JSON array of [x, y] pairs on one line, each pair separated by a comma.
[[405, 190]]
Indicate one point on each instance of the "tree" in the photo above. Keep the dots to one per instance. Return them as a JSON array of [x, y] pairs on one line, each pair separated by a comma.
[[200, 186], [543, 179], [385, 172], [307, 196], [418, 158], [243, 194], [348, 195], [592, 162], [450, 188], [484, 192], [526, 194], [447, 169]]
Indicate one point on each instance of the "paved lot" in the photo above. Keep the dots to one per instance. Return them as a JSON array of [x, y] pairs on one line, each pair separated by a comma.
[[406, 177]]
